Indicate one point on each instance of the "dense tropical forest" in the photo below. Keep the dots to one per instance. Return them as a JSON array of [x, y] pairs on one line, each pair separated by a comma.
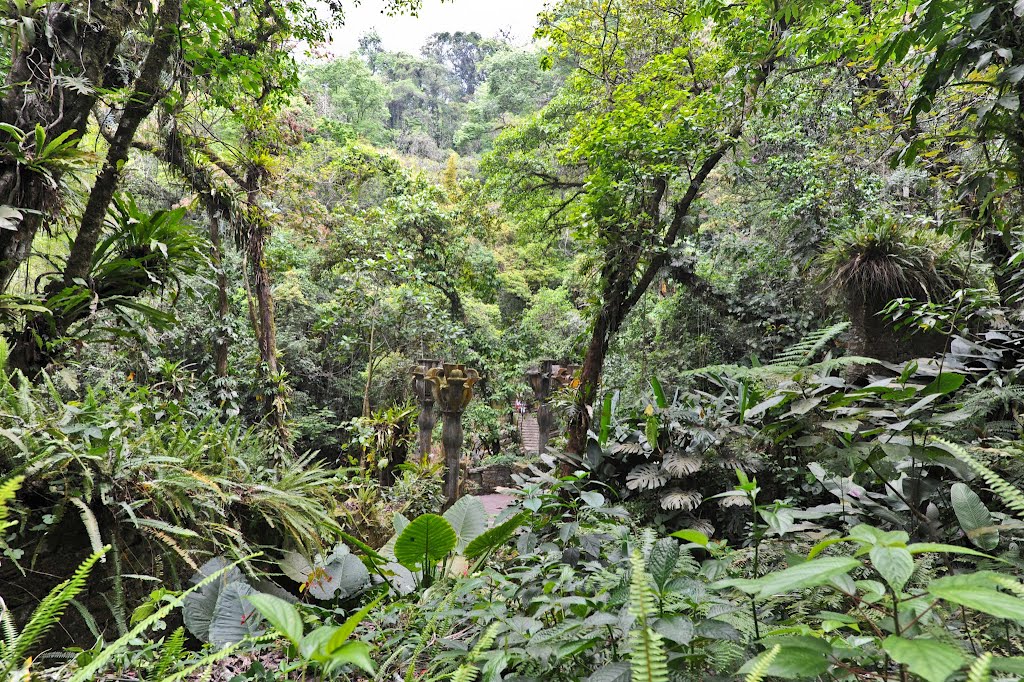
[[682, 342]]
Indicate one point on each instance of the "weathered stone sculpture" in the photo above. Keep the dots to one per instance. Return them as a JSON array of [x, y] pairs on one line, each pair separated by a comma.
[[549, 377], [452, 388], [425, 400], [540, 382]]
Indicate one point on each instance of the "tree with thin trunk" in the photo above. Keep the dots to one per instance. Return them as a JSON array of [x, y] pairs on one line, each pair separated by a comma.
[[655, 105]]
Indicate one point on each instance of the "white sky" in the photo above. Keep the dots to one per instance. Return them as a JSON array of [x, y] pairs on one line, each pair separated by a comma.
[[407, 34]]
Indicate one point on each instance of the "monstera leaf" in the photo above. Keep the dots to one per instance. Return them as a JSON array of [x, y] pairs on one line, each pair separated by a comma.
[[468, 519], [681, 499], [646, 477], [424, 542], [679, 465]]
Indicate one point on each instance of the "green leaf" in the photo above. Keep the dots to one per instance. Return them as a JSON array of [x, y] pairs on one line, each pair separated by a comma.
[[678, 629], [978, 591], [694, 536], [356, 653], [797, 657], [945, 383], [974, 517], [495, 537], [894, 564], [234, 618], [808, 574], [349, 626], [467, 518], [933, 660], [425, 541], [659, 393], [617, 671], [661, 563], [940, 548], [280, 614]]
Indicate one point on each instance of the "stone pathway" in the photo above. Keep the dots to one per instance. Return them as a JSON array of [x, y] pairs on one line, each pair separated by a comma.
[[495, 503]]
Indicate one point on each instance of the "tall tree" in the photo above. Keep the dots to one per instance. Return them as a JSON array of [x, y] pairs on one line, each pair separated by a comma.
[[661, 93]]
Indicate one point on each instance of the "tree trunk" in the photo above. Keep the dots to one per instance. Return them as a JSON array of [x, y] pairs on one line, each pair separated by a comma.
[[266, 336], [369, 375], [222, 340], [143, 98], [590, 380]]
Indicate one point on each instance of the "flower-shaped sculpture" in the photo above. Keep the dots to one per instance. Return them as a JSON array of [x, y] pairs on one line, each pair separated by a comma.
[[452, 388], [427, 418]]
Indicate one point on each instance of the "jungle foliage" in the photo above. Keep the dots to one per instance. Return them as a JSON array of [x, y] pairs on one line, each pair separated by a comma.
[[777, 245]]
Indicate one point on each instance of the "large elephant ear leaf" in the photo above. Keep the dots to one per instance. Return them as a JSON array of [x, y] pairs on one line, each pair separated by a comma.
[[974, 517], [235, 618], [295, 566], [468, 519], [199, 606], [495, 537], [426, 540], [340, 575]]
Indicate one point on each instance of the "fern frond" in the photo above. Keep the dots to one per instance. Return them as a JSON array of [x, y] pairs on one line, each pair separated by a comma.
[[206, 661], [90, 671], [1010, 495], [979, 671], [467, 672], [760, 669], [801, 353], [8, 489], [169, 653], [92, 526], [647, 658], [48, 613]]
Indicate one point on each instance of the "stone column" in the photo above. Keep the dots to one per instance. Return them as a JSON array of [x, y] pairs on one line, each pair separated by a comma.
[[425, 399], [452, 386], [540, 382]]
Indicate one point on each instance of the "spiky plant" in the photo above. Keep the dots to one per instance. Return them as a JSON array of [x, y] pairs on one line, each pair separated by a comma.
[[869, 266]]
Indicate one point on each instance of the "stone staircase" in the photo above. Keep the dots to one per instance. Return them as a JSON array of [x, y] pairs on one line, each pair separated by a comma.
[[530, 433]]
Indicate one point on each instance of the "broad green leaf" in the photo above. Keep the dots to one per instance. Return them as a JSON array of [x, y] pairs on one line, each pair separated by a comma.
[[280, 614], [798, 657], [894, 564], [338, 575], [690, 535], [234, 618], [617, 671], [678, 629], [808, 574], [661, 563], [427, 540], [978, 591], [355, 653], [947, 382], [495, 537], [1012, 664], [974, 517], [933, 660], [314, 645], [468, 519]]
